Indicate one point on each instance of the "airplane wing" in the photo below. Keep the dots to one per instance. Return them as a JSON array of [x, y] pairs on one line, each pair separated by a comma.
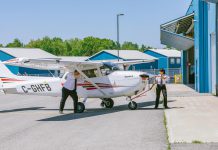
[[133, 62], [57, 63], [52, 64]]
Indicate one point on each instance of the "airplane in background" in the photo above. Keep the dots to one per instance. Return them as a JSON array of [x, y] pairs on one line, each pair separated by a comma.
[[103, 80]]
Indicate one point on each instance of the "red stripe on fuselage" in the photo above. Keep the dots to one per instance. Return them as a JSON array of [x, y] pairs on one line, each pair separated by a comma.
[[10, 80]]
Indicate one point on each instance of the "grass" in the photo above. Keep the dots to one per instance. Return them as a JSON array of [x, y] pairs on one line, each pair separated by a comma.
[[197, 142], [165, 125], [183, 142]]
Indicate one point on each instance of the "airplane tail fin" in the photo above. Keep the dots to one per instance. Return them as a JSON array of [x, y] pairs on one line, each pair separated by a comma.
[[5, 72], [6, 76]]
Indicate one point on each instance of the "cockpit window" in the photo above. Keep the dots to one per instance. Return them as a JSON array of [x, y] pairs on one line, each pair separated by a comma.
[[109, 67], [92, 73]]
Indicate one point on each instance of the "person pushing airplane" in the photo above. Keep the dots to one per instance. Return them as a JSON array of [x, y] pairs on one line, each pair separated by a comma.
[[70, 89], [161, 81]]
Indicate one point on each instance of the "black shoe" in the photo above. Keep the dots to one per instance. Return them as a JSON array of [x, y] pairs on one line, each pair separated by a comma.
[[102, 104], [155, 107], [166, 107]]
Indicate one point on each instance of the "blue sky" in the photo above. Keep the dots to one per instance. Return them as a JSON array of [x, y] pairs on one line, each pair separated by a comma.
[[32, 19]]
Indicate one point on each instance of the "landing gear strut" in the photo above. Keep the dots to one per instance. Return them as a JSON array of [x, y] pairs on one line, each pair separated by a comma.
[[107, 102], [132, 105]]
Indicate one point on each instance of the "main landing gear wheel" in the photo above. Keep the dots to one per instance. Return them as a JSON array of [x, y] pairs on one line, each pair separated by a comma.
[[80, 107], [108, 103], [132, 105]]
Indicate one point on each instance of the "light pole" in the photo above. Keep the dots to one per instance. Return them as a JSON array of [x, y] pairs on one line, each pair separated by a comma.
[[118, 36]]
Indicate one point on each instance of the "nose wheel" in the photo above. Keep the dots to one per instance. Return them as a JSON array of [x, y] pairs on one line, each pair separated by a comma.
[[132, 105], [108, 103], [80, 107]]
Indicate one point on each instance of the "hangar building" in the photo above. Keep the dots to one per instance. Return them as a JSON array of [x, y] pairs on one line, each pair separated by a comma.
[[166, 58], [195, 34], [32, 53], [127, 55]]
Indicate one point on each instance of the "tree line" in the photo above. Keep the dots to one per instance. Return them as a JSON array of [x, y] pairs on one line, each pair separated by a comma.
[[75, 47]]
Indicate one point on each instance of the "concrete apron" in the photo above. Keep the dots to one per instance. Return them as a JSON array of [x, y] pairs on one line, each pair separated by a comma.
[[193, 117]]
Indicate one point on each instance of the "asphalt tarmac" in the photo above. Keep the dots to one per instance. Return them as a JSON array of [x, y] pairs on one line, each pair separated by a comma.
[[33, 123]]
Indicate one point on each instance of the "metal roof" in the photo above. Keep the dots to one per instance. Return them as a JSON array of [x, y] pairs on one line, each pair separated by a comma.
[[31, 53], [129, 54], [176, 33], [180, 25], [167, 53]]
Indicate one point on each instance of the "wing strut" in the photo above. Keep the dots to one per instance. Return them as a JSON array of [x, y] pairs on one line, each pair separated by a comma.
[[87, 78]]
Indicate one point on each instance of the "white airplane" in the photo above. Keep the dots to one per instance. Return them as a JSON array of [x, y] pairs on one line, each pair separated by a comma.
[[103, 80]]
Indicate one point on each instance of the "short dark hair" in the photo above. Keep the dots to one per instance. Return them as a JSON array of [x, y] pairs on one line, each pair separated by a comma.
[[162, 70], [75, 71]]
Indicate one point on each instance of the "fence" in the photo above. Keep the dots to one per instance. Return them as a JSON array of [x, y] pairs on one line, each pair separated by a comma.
[[173, 73]]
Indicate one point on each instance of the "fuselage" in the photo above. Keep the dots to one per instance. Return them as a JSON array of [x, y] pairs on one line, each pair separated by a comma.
[[116, 84]]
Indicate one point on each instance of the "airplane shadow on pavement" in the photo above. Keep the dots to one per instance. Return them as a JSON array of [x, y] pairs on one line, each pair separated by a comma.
[[99, 111]]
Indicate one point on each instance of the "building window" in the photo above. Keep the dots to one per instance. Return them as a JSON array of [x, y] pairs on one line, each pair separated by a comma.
[[178, 61], [172, 61]]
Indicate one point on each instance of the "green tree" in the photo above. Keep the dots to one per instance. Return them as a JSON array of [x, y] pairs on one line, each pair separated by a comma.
[[92, 45], [129, 46], [44, 44], [74, 47], [58, 47], [55, 45], [79, 47], [168, 47], [144, 47], [15, 43], [1, 45]]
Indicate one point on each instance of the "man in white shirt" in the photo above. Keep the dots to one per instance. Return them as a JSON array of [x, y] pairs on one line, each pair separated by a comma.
[[70, 89], [161, 81]]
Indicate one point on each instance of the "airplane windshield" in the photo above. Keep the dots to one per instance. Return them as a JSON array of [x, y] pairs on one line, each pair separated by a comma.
[[109, 67]]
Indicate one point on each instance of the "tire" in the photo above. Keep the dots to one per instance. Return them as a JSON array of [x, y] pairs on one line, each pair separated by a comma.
[[109, 103], [80, 107], [132, 105]]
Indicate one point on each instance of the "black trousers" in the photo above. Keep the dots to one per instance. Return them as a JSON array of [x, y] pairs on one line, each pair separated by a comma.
[[164, 91], [65, 94]]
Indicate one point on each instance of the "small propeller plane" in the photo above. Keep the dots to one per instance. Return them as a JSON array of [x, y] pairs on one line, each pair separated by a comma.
[[103, 80]]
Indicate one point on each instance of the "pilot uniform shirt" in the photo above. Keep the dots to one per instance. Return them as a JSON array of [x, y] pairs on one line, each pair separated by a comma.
[[70, 82], [160, 81]]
